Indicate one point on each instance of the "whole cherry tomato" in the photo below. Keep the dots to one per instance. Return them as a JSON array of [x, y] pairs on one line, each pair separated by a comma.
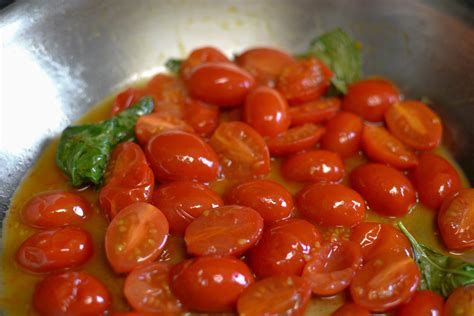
[[200, 56], [126, 99], [423, 303], [202, 117], [295, 139], [351, 309], [460, 302], [168, 92], [343, 134], [315, 111], [149, 125]]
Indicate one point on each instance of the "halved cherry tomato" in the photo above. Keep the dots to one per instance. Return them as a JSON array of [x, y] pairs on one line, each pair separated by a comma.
[[414, 124], [385, 282], [167, 89], [316, 111], [304, 80], [126, 99], [242, 151], [183, 201], [331, 205], [210, 284], [423, 303], [370, 98], [178, 155], [284, 248], [381, 146], [135, 314], [200, 56], [149, 125], [351, 309], [269, 198], [295, 139], [54, 209], [55, 249], [221, 84], [129, 179], [225, 230], [456, 218], [202, 117], [386, 190], [135, 236], [266, 111], [343, 134], [314, 166], [277, 295], [71, 293], [460, 302], [147, 289], [434, 179], [332, 267]]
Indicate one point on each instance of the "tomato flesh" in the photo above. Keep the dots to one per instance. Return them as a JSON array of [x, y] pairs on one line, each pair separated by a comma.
[[200, 56], [168, 93], [295, 139], [423, 303], [351, 309], [202, 117], [343, 134], [315, 111], [313, 166], [149, 125]]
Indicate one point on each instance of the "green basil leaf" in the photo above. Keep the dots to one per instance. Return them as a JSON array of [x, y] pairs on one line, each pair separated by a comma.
[[173, 65]]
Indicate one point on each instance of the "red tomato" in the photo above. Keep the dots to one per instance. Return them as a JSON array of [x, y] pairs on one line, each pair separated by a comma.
[[267, 197], [222, 231], [200, 56], [266, 111], [315, 111], [242, 151], [386, 190], [332, 267], [434, 179], [149, 125], [183, 201], [135, 314], [284, 248], [126, 99], [381, 146], [177, 155], [460, 302], [370, 98], [304, 80], [264, 63], [55, 249], [277, 295], [387, 281], [343, 134], [71, 293], [54, 209], [351, 309], [203, 117], [135, 236], [295, 139], [147, 289], [167, 89], [414, 124], [221, 84], [455, 220], [314, 166], [210, 284], [331, 205], [129, 179], [423, 303]]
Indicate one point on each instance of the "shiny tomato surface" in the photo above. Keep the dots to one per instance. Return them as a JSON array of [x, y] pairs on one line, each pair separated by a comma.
[[314, 166], [200, 56], [423, 303], [343, 134], [460, 302], [149, 125], [317, 111], [295, 139]]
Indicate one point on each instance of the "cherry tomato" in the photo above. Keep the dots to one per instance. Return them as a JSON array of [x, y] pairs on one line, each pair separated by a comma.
[[202, 117], [183, 201], [331, 205], [414, 124], [343, 134], [267, 197], [381, 146], [149, 125], [277, 295], [386, 190], [315, 111], [434, 179], [210, 284], [178, 155], [370, 98], [55, 249], [54, 209], [147, 289], [295, 139], [126, 99], [242, 151], [313, 166], [284, 248], [460, 302], [135, 314], [71, 293], [304, 80], [423, 303], [200, 56], [167, 89], [351, 309], [135, 236], [266, 111], [129, 179], [455, 220], [221, 84]]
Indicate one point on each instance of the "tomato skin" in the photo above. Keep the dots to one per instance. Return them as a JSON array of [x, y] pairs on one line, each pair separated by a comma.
[[55, 249], [343, 134], [71, 293], [331, 205], [126, 99], [370, 98], [295, 139], [182, 201], [168, 92], [315, 111], [221, 84], [351, 309], [194, 282], [423, 303], [313, 166], [151, 124], [54, 209], [202, 117], [266, 111], [200, 56], [177, 155], [460, 302], [386, 190]]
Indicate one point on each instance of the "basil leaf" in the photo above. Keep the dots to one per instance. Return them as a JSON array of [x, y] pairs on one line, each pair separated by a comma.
[[174, 65]]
